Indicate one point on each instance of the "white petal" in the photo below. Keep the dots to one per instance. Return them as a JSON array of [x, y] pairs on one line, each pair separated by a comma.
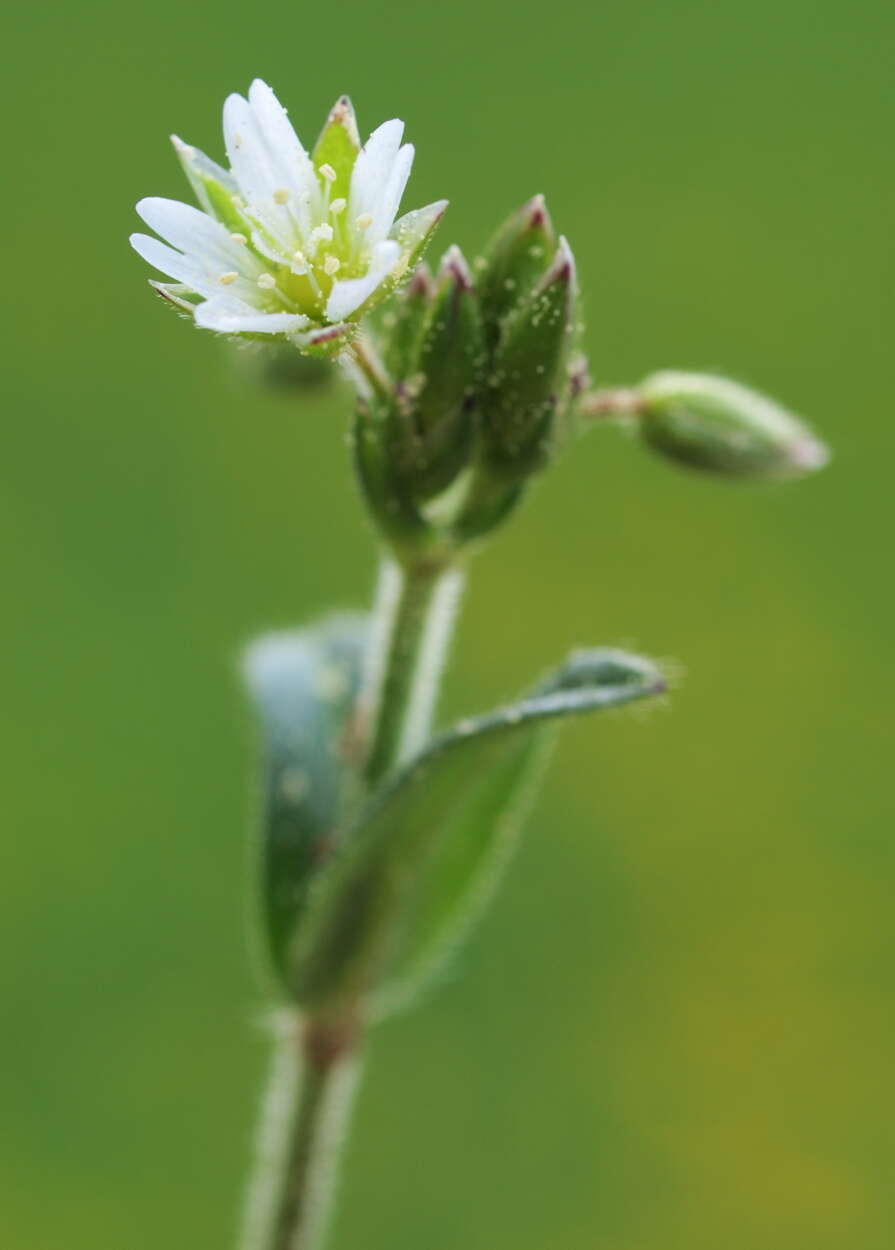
[[229, 315], [347, 296], [392, 192], [197, 234], [286, 151], [373, 167], [174, 264], [267, 158]]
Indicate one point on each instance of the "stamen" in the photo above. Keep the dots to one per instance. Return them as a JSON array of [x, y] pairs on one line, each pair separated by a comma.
[[299, 257], [365, 221], [322, 233], [238, 238], [332, 265], [338, 206], [266, 281], [281, 195], [327, 172], [227, 278]]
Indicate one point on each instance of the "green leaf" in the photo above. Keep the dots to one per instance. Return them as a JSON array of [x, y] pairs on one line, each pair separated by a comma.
[[304, 685], [425, 856]]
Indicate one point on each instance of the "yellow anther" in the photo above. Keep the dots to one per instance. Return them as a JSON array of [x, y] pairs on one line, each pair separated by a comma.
[[338, 206], [281, 195], [322, 233], [331, 265], [238, 238], [266, 281], [365, 221], [227, 278], [299, 257], [327, 172]]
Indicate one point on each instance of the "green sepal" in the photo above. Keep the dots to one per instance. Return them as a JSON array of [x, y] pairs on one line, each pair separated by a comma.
[[423, 857], [413, 232], [514, 262], [434, 404], [327, 342], [338, 147], [722, 427], [304, 685], [388, 497], [528, 380], [400, 326], [214, 187]]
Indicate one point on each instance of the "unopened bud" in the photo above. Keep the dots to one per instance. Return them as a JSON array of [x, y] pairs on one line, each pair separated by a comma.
[[514, 262], [719, 426], [442, 387], [528, 379]]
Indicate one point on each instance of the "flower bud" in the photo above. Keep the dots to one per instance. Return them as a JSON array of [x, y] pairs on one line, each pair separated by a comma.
[[514, 262], [528, 377], [714, 424], [440, 393]]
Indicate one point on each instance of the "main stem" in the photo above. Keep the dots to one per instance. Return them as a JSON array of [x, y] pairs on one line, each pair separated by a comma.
[[308, 1105]]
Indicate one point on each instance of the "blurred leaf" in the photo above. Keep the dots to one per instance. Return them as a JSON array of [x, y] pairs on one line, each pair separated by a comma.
[[304, 684], [428, 852]]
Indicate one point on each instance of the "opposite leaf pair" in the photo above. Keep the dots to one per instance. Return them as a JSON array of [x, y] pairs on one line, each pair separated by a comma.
[[364, 895]]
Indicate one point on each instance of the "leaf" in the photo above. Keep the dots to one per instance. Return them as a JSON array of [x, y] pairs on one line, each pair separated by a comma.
[[304, 685], [425, 857]]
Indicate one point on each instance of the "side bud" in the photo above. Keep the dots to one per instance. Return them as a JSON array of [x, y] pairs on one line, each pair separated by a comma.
[[528, 380], [719, 426]]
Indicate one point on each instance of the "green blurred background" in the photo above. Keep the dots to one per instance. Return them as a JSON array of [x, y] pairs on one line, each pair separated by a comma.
[[675, 1030]]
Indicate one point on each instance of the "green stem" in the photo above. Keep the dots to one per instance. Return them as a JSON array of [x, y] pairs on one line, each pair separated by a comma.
[[413, 621], [303, 1124]]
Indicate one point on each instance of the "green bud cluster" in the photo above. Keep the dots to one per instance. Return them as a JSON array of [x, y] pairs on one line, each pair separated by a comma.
[[465, 403]]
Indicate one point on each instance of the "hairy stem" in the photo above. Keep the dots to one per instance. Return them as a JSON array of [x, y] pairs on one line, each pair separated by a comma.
[[303, 1124], [412, 627]]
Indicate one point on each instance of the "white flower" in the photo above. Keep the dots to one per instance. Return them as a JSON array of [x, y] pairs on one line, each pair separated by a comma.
[[287, 243]]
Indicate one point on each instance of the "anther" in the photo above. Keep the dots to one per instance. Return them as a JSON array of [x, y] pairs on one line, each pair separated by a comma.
[[238, 238], [322, 233], [364, 221], [281, 195], [331, 265], [327, 172], [266, 281], [227, 278], [337, 206]]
